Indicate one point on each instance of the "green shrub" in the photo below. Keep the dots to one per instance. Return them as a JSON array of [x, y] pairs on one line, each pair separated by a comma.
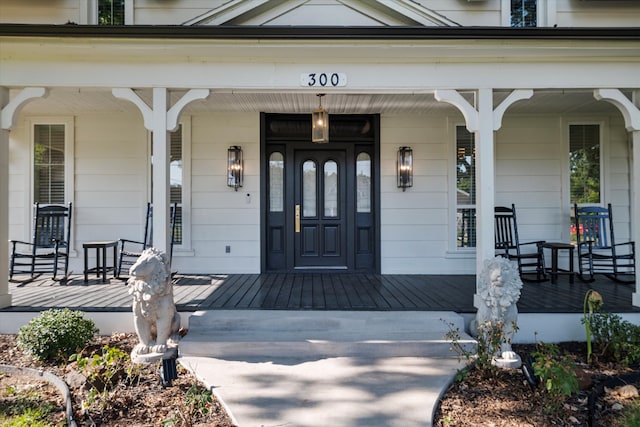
[[557, 374], [490, 337], [615, 338], [56, 334]]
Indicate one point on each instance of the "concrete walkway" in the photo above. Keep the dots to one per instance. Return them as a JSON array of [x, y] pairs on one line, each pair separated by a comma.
[[340, 391], [277, 380]]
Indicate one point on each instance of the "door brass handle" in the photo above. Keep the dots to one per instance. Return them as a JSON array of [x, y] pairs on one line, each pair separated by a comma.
[[297, 218]]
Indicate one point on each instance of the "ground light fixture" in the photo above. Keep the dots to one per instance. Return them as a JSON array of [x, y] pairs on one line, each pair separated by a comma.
[[320, 124], [405, 168], [235, 166]]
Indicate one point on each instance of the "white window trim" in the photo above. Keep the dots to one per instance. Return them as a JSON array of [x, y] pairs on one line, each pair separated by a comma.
[[546, 13], [69, 167], [454, 251], [185, 248], [89, 12], [604, 166]]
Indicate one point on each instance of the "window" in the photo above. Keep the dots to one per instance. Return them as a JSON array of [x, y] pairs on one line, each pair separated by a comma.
[[524, 13], [363, 179], [49, 163], [584, 164], [176, 179], [276, 182], [179, 183], [111, 12], [465, 188]]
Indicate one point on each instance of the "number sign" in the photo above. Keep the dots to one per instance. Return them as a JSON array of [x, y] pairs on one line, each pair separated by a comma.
[[323, 79]]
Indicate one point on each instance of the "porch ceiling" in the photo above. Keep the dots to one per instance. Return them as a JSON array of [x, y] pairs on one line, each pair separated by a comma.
[[71, 101]]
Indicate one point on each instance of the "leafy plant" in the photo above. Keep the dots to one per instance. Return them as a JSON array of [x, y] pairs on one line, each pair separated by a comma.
[[490, 338], [104, 371], [616, 339], [592, 304], [27, 408], [557, 374], [199, 399], [56, 334], [630, 416]]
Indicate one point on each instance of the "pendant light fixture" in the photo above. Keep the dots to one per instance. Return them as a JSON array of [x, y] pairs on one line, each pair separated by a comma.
[[320, 124]]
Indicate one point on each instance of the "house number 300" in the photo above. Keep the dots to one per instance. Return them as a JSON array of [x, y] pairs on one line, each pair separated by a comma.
[[323, 79]]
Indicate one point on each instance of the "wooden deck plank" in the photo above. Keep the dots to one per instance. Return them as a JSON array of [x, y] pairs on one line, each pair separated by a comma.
[[335, 291], [295, 293], [216, 283], [222, 293]]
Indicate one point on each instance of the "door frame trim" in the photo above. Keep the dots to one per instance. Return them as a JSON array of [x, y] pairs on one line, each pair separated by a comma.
[[375, 120]]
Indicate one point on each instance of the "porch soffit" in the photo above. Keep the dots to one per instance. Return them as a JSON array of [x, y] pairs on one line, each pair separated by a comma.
[[309, 12], [69, 101]]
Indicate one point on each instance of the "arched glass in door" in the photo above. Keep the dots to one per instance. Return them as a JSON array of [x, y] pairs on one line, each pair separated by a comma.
[[331, 189], [309, 189], [276, 182]]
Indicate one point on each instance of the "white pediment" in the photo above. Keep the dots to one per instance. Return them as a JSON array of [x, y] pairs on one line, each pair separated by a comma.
[[333, 13]]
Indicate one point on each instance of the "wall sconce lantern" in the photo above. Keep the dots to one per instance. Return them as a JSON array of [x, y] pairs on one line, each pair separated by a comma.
[[320, 124], [405, 167], [234, 167]]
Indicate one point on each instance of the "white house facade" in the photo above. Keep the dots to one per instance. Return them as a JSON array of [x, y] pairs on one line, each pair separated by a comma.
[[147, 111]]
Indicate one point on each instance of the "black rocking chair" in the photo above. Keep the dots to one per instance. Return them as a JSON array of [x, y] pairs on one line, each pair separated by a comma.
[[130, 250], [529, 255], [50, 244], [598, 252]]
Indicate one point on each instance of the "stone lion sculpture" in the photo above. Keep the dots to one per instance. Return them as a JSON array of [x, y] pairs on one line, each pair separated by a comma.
[[154, 312], [499, 291]]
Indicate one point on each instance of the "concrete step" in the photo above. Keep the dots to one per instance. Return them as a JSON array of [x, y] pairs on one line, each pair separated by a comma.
[[281, 333]]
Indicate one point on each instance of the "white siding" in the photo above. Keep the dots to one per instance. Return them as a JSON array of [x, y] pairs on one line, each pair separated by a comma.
[[416, 225], [569, 13], [39, 11], [580, 13], [220, 216]]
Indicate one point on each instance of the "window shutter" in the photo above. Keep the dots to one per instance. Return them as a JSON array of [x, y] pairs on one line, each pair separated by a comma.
[[49, 158]]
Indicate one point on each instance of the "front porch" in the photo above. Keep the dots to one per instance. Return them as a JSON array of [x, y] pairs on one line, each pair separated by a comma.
[[315, 291]]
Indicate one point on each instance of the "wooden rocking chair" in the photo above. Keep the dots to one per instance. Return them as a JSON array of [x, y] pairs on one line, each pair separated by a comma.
[[50, 244], [598, 252], [529, 255], [130, 250]]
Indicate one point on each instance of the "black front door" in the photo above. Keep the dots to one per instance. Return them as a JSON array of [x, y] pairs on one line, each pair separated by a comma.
[[320, 211], [320, 200]]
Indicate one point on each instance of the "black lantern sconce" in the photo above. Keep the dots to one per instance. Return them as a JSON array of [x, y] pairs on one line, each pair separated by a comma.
[[405, 167], [235, 167], [320, 124]]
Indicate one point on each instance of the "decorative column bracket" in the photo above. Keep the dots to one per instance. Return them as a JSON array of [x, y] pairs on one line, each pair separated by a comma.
[[173, 114], [11, 111]]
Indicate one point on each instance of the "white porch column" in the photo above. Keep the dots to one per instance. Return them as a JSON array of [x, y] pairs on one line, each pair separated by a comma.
[[483, 121], [160, 159], [9, 113], [161, 119], [5, 296], [631, 113]]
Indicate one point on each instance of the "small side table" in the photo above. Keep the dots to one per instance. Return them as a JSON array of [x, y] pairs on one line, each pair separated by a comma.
[[101, 267], [555, 270]]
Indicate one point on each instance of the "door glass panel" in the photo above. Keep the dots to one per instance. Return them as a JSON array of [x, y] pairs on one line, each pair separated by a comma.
[[331, 189], [309, 188], [363, 180], [276, 182]]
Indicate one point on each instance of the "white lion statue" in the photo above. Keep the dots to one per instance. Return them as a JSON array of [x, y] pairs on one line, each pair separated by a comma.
[[154, 312], [499, 291]]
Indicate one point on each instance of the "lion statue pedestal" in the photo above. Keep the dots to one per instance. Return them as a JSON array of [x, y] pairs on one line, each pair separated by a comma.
[[155, 317], [498, 292]]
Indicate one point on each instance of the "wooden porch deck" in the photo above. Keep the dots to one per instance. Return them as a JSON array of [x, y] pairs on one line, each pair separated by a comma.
[[315, 291]]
